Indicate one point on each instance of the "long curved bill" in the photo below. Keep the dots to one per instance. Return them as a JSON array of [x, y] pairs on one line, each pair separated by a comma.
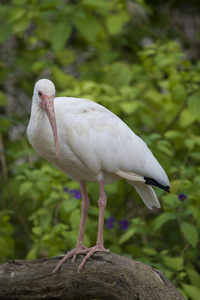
[[48, 105]]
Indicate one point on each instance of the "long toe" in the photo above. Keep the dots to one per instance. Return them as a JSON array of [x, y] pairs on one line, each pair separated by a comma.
[[96, 248], [75, 252]]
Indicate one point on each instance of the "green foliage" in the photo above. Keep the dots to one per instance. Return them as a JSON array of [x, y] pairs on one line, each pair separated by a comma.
[[89, 50], [6, 230]]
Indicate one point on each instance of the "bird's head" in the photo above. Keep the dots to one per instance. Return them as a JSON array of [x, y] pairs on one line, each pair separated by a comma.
[[44, 93]]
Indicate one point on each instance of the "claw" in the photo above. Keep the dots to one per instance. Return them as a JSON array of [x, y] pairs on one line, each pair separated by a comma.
[[97, 248], [80, 250], [75, 252]]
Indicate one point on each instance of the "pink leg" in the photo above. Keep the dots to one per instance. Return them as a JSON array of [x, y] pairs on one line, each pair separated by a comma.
[[80, 248], [99, 244], [84, 211]]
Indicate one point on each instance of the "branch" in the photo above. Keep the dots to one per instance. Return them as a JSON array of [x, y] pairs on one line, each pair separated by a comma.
[[104, 276]]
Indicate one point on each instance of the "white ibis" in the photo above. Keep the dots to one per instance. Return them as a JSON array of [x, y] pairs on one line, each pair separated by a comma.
[[89, 143]]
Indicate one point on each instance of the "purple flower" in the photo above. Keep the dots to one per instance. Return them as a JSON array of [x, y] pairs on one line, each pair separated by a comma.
[[110, 222], [75, 193], [182, 197], [123, 224]]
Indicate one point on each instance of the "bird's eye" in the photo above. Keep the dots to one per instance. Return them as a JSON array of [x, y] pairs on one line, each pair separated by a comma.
[[40, 94]]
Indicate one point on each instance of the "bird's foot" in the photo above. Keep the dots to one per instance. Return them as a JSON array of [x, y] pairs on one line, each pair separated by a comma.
[[96, 248], [78, 250]]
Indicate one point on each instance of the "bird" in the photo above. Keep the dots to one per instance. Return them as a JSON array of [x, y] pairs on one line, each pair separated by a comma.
[[88, 142]]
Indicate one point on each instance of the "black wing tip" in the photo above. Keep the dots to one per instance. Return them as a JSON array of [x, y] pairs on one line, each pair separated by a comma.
[[153, 182], [167, 189]]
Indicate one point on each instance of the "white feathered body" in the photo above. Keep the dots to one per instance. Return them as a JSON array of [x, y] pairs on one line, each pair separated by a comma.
[[94, 145]]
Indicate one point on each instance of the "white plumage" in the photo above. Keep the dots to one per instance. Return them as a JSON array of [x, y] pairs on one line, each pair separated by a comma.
[[91, 144]]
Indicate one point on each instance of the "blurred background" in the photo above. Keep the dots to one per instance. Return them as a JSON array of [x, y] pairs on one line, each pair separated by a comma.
[[140, 59]]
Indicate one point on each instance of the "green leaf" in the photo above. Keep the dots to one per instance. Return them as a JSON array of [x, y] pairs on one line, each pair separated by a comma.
[[25, 187], [197, 140], [193, 276], [190, 143], [187, 118], [195, 155], [162, 219], [165, 147], [127, 235], [65, 56], [119, 74], [70, 238], [19, 2], [68, 205], [37, 230], [182, 293], [6, 31], [149, 251], [75, 219], [38, 66], [98, 4], [190, 233], [174, 263], [179, 93], [192, 291], [162, 60], [21, 25], [171, 201], [59, 228], [61, 79], [6, 246], [88, 26], [115, 22], [153, 137], [149, 50], [130, 107], [32, 254], [3, 99], [60, 35], [47, 5], [194, 211], [171, 134], [16, 14], [194, 104]]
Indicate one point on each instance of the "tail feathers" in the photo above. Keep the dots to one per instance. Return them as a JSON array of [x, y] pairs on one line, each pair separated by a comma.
[[141, 184], [147, 193], [131, 176]]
